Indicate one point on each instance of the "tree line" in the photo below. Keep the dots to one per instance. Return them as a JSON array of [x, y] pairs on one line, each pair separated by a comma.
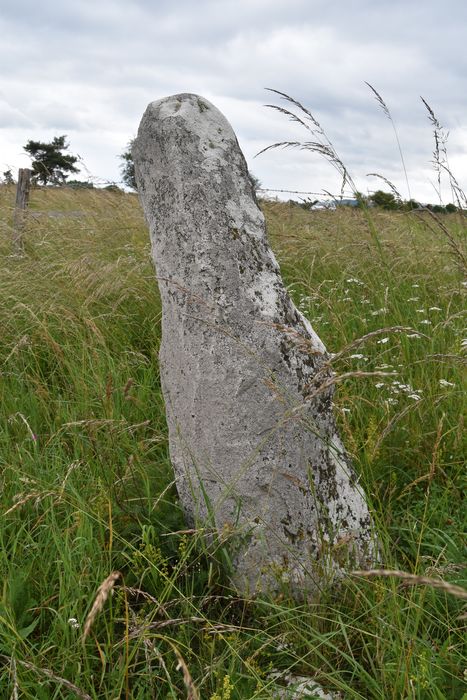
[[52, 165], [391, 202]]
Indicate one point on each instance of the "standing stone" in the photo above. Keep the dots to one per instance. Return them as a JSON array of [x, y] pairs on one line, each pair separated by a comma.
[[247, 387]]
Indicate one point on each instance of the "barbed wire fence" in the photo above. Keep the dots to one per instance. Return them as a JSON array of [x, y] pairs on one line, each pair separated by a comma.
[[325, 198]]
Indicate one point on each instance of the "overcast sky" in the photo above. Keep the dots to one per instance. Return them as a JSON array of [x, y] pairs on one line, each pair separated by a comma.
[[88, 68]]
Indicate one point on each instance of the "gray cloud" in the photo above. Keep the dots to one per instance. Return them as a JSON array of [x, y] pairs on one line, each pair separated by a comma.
[[88, 69]]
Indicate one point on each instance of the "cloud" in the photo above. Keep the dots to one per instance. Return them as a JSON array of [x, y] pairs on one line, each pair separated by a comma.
[[89, 69]]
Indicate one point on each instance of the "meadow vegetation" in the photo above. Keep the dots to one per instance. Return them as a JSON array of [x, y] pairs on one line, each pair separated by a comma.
[[87, 488]]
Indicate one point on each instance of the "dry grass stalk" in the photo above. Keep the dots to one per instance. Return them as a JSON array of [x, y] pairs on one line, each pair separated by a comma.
[[452, 243], [160, 624], [137, 593], [373, 334], [103, 593], [395, 419], [50, 674], [95, 422], [192, 693], [14, 694], [37, 495], [414, 580], [337, 379], [429, 476]]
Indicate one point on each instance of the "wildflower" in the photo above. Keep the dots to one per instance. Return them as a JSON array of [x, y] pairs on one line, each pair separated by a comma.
[[426, 322], [73, 622], [412, 335], [383, 310], [420, 311], [434, 308], [391, 401], [383, 341], [415, 397], [413, 299], [379, 385], [354, 280], [358, 356], [445, 383], [415, 285]]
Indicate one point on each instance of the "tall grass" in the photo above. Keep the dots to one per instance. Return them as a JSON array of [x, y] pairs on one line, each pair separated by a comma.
[[87, 490]]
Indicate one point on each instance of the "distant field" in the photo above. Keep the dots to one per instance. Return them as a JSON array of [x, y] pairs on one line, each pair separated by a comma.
[[86, 482]]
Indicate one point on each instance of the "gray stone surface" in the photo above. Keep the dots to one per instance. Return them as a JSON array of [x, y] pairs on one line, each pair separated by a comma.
[[252, 436], [302, 688]]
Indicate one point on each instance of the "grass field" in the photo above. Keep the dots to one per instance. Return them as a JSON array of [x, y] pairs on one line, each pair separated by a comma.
[[86, 482]]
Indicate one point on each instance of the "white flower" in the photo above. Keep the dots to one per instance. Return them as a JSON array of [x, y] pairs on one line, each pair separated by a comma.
[[434, 308], [358, 356], [391, 401], [425, 322], [413, 299], [413, 335], [354, 280], [383, 310], [444, 382], [415, 397], [73, 622], [345, 410], [415, 285], [379, 385], [420, 311], [383, 341]]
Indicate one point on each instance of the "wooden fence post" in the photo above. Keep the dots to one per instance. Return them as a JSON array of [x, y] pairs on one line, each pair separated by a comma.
[[22, 199]]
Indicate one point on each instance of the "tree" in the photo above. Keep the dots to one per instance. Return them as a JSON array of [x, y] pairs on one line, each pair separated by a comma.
[[80, 184], [50, 164], [8, 178], [255, 181], [411, 205], [385, 200], [361, 200], [127, 168]]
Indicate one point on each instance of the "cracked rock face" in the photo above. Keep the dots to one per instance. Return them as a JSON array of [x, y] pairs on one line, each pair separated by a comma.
[[247, 389]]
